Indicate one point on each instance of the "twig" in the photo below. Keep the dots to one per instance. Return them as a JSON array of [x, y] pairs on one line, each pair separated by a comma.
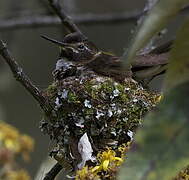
[[53, 172], [83, 19], [107, 18], [23, 79], [66, 21], [87, 19], [44, 4]]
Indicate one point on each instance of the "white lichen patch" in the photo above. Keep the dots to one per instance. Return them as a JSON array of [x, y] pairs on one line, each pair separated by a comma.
[[119, 111], [100, 79], [113, 133], [135, 100], [80, 123], [115, 84], [113, 107], [110, 113], [125, 119], [64, 94], [62, 63], [87, 103], [130, 134], [85, 149], [20, 71], [99, 114], [116, 93], [95, 86], [58, 104]]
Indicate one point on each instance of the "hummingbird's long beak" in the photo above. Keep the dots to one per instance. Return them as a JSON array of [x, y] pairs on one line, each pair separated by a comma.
[[55, 41]]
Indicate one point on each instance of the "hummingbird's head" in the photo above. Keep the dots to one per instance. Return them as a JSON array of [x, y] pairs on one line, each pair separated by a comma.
[[78, 51], [75, 48]]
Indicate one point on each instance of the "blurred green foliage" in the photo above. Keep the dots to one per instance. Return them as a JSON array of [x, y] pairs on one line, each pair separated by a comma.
[[161, 146], [157, 19]]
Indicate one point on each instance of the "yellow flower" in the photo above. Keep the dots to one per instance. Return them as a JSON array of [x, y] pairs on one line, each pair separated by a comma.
[[183, 174], [124, 148], [95, 169], [26, 146], [11, 139], [107, 159], [159, 98], [17, 175], [9, 136], [107, 165], [6, 156], [86, 174], [82, 173]]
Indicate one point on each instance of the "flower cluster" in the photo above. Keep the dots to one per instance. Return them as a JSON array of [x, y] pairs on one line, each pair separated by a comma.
[[183, 174], [17, 175], [12, 144], [108, 163]]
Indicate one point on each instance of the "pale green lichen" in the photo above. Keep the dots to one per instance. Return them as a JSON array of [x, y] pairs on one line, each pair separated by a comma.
[[104, 109]]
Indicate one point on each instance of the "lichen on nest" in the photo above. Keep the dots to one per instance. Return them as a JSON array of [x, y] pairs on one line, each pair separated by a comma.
[[106, 110]]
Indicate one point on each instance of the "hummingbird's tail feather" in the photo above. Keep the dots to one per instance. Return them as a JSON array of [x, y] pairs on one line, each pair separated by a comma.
[[163, 48]]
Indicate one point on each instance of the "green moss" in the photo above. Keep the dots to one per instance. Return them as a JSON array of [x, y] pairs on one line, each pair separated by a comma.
[[99, 106], [52, 89], [103, 100], [72, 97]]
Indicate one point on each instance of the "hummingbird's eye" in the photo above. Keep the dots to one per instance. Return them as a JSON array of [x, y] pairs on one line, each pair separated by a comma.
[[81, 47]]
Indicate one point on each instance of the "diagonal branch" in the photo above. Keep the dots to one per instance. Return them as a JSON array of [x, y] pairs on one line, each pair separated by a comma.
[[45, 5], [53, 172], [23, 79], [17, 23], [84, 19], [66, 20]]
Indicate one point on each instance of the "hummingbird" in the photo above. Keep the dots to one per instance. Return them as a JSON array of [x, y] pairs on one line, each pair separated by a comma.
[[82, 52]]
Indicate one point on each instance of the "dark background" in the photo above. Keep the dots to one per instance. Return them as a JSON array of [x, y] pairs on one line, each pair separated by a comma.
[[38, 58]]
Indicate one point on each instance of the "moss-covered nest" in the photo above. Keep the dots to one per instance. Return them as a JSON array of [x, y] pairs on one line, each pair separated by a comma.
[[106, 110]]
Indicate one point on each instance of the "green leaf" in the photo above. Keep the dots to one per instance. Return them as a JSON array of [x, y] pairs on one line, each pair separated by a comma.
[[161, 146], [158, 18], [161, 149], [178, 69]]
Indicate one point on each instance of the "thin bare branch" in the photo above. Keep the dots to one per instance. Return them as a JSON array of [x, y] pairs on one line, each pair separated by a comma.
[[23, 79], [87, 19], [66, 20], [53, 172], [45, 5], [28, 22], [83, 19]]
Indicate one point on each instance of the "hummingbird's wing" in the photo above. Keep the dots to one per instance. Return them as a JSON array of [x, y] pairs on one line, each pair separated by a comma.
[[163, 48], [146, 66], [150, 65], [148, 60], [158, 56], [108, 65]]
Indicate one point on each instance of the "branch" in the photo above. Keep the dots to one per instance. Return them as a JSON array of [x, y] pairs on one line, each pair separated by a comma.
[[66, 20], [23, 79], [84, 19], [53, 172], [44, 4], [87, 19]]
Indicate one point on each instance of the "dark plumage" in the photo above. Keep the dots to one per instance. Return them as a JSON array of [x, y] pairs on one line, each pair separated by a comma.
[[80, 51]]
